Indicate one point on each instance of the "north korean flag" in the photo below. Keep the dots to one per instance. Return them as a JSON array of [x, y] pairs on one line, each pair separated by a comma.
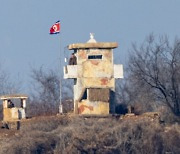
[[55, 29]]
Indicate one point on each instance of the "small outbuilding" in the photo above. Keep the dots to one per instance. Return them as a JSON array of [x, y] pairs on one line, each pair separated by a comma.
[[14, 110]]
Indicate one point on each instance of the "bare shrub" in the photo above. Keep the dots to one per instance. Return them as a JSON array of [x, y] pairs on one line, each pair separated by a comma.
[[155, 64], [152, 75], [68, 105], [45, 96], [171, 140], [38, 109], [32, 142], [74, 134]]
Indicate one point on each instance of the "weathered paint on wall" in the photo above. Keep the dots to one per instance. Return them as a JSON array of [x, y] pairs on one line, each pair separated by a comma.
[[13, 114], [87, 107], [82, 54], [98, 82], [92, 73], [9, 114], [97, 69]]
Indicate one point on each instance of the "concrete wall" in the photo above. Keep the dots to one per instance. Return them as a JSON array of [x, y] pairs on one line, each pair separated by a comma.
[[96, 107], [94, 70], [93, 73], [13, 114]]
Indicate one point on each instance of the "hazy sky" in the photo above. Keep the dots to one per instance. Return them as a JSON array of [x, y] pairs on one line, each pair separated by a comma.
[[25, 42]]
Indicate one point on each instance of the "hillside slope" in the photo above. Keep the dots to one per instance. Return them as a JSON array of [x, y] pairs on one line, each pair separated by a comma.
[[78, 134]]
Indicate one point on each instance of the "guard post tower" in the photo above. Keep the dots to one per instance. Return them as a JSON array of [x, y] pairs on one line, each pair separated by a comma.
[[94, 75]]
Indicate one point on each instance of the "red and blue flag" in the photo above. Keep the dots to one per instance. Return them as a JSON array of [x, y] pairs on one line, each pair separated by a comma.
[[55, 29]]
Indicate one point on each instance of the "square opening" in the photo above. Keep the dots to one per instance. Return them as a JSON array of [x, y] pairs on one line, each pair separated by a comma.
[[94, 56]]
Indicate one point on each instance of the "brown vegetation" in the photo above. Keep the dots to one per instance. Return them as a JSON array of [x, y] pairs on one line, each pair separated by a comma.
[[79, 134], [152, 76]]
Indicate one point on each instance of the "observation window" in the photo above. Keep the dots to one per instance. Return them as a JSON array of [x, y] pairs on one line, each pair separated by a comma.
[[94, 56]]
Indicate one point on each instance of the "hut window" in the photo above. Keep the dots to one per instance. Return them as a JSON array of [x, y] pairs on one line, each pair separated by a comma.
[[85, 95], [94, 56]]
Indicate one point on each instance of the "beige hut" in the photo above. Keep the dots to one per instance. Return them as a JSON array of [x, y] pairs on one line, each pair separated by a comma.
[[11, 112]]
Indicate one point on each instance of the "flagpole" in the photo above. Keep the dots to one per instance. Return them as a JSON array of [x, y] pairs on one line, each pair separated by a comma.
[[60, 82], [55, 29]]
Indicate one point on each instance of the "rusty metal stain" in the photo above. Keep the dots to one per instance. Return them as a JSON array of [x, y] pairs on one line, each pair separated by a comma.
[[97, 68], [108, 55], [96, 82], [104, 81], [82, 54], [83, 107], [87, 107], [94, 62]]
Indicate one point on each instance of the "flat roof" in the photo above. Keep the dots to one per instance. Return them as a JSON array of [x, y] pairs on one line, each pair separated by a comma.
[[98, 45], [13, 96]]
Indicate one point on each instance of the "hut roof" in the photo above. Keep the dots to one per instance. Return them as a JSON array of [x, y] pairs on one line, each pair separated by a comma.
[[13, 96], [98, 45]]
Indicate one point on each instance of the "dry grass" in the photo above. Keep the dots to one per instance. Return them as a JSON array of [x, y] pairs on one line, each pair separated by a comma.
[[72, 134]]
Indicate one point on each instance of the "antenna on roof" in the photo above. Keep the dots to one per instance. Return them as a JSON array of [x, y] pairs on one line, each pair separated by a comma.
[[91, 35], [91, 40]]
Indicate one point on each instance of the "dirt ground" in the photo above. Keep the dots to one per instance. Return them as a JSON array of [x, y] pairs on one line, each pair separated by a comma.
[[70, 133]]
